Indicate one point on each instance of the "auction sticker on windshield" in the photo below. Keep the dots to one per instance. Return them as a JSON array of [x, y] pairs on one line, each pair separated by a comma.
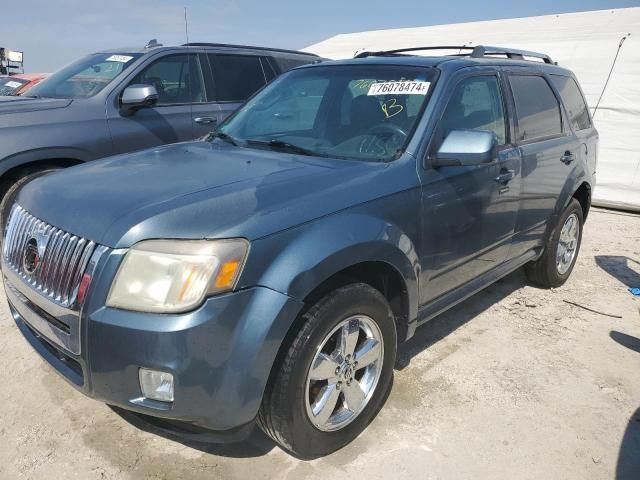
[[119, 58], [12, 84], [401, 87]]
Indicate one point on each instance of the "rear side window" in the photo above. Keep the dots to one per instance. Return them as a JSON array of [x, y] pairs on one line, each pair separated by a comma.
[[537, 109], [573, 101], [237, 77], [269, 68]]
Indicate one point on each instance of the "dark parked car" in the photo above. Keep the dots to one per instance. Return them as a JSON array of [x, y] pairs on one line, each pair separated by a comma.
[[118, 101], [270, 272]]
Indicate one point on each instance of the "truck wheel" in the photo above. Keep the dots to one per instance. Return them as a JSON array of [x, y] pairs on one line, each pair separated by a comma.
[[559, 257], [12, 192], [333, 376]]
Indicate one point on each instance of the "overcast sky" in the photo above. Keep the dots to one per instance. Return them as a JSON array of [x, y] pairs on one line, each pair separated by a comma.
[[54, 33]]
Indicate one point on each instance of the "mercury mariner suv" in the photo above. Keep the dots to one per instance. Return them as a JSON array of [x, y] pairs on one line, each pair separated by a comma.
[[268, 273]]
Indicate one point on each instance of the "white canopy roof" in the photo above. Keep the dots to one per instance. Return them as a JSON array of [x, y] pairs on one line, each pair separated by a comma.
[[584, 42]]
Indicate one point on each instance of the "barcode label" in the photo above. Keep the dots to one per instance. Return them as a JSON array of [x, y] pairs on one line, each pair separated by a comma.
[[403, 87], [119, 58]]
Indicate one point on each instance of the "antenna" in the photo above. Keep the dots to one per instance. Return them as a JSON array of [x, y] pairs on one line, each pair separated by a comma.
[[186, 26], [615, 59]]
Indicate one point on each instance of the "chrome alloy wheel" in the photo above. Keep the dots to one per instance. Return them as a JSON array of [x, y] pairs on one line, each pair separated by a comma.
[[567, 244], [344, 373]]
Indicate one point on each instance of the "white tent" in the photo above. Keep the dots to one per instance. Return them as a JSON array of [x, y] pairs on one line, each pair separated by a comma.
[[584, 42]]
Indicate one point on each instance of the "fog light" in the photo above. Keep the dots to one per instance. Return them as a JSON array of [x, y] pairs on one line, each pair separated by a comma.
[[156, 385]]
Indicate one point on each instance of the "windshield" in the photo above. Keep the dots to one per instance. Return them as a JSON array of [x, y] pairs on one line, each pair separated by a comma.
[[360, 112], [10, 85], [84, 78]]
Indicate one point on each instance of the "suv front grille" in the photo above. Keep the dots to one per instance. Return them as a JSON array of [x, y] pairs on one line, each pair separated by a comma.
[[57, 268]]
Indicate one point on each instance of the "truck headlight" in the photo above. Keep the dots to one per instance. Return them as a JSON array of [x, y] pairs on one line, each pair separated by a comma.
[[169, 276]]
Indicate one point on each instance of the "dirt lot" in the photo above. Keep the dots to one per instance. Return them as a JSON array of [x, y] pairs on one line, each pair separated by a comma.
[[514, 383]]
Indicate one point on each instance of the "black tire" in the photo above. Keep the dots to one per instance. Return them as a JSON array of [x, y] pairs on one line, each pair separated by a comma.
[[12, 189], [544, 272], [283, 414]]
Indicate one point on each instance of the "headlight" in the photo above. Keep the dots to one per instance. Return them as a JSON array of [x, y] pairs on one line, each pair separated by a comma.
[[168, 276]]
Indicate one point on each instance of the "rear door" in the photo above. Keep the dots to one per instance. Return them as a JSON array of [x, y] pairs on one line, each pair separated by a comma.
[[549, 151], [182, 99], [470, 211], [578, 115], [236, 77]]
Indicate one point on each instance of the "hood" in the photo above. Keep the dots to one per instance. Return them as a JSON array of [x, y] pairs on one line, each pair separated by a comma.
[[195, 190], [20, 104]]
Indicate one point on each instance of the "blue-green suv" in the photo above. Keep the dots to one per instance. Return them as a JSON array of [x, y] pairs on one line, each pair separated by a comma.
[[270, 271]]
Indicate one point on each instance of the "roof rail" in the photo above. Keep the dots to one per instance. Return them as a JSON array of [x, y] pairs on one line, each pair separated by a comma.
[[479, 51], [227, 45], [483, 51]]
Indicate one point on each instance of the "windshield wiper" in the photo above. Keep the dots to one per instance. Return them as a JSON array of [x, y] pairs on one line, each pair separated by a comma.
[[222, 136], [284, 145]]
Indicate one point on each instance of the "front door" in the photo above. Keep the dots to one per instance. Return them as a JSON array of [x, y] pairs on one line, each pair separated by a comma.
[[470, 211], [182, 112]]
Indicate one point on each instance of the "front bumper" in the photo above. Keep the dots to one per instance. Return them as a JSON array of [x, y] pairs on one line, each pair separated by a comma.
[[220, 354]]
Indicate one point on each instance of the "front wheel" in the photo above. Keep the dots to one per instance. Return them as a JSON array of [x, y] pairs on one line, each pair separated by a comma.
[[559, 257], [334, 375]]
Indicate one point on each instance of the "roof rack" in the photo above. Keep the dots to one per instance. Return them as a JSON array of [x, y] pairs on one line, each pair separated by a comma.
[[479, 51], [227, 45]]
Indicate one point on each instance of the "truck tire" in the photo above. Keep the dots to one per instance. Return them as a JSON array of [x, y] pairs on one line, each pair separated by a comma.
[[555, 265], [332, 377]]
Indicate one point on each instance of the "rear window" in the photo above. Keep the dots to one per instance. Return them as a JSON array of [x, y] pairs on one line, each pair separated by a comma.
[[573, 101], [537, 109], [237, 77]]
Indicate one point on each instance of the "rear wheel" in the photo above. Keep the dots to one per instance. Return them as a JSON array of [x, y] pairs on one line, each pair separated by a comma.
[[334, 374], [559, 257]]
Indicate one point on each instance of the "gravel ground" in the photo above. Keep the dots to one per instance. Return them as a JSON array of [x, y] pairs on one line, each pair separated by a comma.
[[513, 383]]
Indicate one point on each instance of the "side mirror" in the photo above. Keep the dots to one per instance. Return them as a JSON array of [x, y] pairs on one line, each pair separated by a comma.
[[136, 97], [466, 147]]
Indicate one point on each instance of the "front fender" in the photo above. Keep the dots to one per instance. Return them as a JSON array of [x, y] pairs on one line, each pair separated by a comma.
[[296, 261], [43, 154]]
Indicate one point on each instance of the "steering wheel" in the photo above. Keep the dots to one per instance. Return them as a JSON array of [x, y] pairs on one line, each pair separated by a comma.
[[381, 136]]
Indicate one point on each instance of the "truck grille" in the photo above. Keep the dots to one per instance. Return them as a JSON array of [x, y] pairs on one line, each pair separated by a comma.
[[50, 260]]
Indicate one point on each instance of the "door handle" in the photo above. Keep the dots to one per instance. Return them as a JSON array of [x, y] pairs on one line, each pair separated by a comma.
[[205, 120], [505, 176], [568, 157]]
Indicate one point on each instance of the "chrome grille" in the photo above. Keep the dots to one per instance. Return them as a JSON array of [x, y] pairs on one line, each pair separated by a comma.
[[63, 257]]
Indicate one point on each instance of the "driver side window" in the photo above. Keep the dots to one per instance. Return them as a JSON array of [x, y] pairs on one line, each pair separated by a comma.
[[476, 104], [177, 78]]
